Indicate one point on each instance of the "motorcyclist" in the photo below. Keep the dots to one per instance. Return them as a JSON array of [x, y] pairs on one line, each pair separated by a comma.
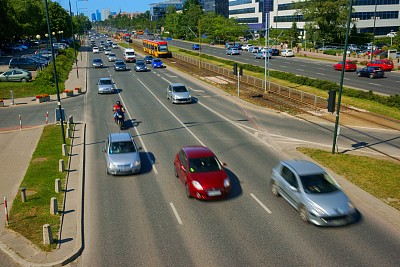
[[118, 107]]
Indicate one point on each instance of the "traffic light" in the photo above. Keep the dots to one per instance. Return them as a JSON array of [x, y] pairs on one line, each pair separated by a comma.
[[331, 100], [235, 72]]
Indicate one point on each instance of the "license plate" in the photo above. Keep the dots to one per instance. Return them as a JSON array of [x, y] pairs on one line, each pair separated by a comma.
[[214, 193]]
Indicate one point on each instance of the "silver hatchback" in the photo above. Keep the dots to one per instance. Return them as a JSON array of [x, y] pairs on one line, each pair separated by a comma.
[[122, 154], [178, 93], [105, 86], [313, 192]]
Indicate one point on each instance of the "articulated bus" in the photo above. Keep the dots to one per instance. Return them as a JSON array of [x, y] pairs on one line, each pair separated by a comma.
[[156, 48]]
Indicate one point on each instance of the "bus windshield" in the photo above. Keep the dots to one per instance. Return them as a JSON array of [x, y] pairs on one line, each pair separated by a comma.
[[163, 48]]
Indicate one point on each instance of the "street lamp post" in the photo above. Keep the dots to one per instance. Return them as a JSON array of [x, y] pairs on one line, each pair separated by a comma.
[[38, 45], [47, 41], [73, 40]]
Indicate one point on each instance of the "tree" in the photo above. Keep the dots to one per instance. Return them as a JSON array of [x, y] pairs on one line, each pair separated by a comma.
[[8, 23], [329, 17]]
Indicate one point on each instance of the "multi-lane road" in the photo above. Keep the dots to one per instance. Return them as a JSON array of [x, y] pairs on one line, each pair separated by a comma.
[[146, 219], [323, 70]]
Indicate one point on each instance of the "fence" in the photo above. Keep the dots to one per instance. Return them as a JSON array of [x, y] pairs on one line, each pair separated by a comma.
[[312, 100]]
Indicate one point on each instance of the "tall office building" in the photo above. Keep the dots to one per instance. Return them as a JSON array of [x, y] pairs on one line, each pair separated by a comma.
[[105, 13], [220, 7]]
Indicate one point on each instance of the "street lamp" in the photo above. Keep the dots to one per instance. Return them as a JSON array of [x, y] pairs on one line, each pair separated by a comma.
[[38, 44], [47, 41]]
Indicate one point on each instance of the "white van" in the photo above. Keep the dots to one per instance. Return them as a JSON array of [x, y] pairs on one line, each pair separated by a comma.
[[129, 55]]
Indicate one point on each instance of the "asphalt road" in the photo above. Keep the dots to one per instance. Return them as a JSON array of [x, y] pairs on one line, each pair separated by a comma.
[[146, 219], [318, 69]]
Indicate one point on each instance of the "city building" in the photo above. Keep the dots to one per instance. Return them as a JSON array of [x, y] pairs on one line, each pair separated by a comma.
[[159, 10], [105, 13], [220, 7], [98, 15], [383, 13]]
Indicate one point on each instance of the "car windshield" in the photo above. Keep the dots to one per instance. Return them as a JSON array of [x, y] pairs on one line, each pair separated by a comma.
[[318, 183], [119, 63], [105, 82], [111, 55], [130, 53], [156, 60], [209, 164], [97, 60], [122, 147], [179, 89]]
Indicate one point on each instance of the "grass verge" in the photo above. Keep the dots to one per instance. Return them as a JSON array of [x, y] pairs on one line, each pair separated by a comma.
[[378, 177], [28, 218]]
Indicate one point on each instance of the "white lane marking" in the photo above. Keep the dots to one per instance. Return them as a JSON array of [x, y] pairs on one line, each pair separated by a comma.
[[162, 104], [176, 213], [197, 90], [375, 84], [346, 79], [320, 73], [300, 69], [261, 204], [321, 69], [171, 76], [139, 136]]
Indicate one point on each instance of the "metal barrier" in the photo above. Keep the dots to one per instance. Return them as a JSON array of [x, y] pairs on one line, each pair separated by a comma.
[[310, 99]]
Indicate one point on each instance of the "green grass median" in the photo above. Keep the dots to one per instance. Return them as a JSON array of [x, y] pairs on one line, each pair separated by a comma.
[[28, 218]]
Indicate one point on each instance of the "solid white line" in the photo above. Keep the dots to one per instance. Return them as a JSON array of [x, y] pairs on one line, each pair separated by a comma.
[[300, 70], [375, 84], [261, 204], [176, 213], [321, 74]]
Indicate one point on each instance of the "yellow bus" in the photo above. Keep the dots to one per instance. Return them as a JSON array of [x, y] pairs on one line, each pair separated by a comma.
[[156, 48]]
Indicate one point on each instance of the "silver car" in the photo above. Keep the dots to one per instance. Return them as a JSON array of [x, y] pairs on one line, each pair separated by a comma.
[[262, 55], [232, 51], [111, 57], [140, 65], [97, 63], [178, 93], [105, 86], [313, 192], [122, 154]]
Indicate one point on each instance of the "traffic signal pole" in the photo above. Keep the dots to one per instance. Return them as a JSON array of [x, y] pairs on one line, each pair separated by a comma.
[[336, 131]]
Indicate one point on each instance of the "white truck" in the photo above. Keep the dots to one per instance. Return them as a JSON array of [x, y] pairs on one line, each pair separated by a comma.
[[129, 55]]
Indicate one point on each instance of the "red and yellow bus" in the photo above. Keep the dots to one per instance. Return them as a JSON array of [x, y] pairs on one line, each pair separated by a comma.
[[156, 48]]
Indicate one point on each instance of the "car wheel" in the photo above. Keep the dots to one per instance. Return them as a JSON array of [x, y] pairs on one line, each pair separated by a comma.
[[303, 213], [175, 172], [187, 191], [371, 76], [107, 172], [23, 80], [274, 188]]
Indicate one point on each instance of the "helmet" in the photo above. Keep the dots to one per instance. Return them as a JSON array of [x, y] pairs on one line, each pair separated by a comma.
[[118, 103]]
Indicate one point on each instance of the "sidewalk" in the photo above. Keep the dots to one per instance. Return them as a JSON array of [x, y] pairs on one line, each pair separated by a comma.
[[19, 152]]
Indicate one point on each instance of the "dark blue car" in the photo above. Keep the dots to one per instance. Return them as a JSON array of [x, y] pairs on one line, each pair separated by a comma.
[[195, 46]]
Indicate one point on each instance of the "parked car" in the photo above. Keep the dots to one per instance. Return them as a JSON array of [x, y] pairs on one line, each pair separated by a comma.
[[232, 51], [274, 51], [111, 57], [287, 53], [371, 72], [384, 64], [178, 93], [157, 63], [16, 75], [105, 86], [24, 63], [140, 65], [122, 154], [148, 59], [196, 47], [119, 65], [262, 55], [349, 66], [97, 63], [254, 49], [202, 174], [313, 193]]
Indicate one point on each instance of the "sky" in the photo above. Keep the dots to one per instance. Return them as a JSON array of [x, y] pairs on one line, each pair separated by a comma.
[[112, 5]]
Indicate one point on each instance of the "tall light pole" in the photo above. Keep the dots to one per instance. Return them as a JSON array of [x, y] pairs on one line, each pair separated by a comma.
[[73, 40], [55, 73], [266, 36], [38, 44], [373, 31], [47, 41]]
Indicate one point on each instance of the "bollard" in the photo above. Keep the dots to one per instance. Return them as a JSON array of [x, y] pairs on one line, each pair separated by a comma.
[[64, 150], [68, 132], [12, 98], [6, 211], [57, 185], [53, 206], [71, 119], [47, 235], [61, 167], [23, 194]]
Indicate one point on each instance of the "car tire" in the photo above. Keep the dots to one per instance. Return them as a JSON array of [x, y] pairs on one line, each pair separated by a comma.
[[107, 172], [303, 214], [274, 188], [24, 80], [175, 172], [187, 191], [371, 76]]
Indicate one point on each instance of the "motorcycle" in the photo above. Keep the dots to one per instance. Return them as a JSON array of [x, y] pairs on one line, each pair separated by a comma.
[[119, 118]]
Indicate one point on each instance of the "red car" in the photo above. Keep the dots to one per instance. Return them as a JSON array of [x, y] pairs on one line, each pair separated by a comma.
[[349, 66], [384, 64], [202, 173]]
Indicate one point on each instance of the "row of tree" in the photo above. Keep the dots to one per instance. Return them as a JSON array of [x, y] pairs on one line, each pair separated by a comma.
[[24, 19]]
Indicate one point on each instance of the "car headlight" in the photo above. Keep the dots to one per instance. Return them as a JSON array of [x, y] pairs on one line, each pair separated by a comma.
[[136, 163], [197, 185], [189, 96], [111, 165], [227, 183]]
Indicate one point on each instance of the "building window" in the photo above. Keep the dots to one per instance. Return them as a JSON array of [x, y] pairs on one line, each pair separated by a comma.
[[242, 11]]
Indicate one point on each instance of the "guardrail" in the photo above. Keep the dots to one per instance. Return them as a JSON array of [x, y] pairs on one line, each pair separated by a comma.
[[312, 100]]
